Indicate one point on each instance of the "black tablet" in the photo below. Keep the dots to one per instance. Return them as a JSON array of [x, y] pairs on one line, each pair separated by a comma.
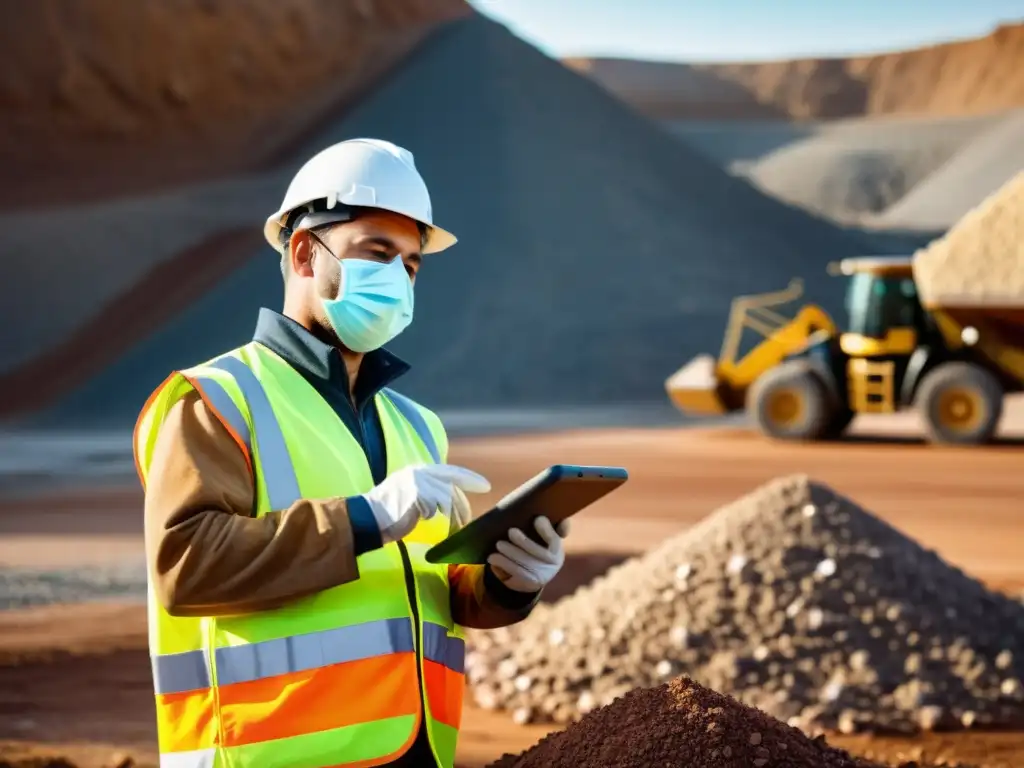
[[559, 492]]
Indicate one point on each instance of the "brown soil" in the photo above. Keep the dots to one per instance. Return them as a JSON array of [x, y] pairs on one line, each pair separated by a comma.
[[76, 681], [102, 97], [963, 77], [679, 723]]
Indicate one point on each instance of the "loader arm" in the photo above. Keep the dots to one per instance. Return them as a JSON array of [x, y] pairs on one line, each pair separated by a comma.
[[707, 386], [810, 321]]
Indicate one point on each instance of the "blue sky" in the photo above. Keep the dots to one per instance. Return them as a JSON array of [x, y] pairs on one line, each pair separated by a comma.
[[737, 30]]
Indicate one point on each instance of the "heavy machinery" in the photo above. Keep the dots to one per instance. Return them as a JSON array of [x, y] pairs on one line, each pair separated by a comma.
[[806, 380]]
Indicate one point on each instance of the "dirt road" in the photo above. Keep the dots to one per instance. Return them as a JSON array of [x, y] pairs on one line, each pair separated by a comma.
[[75, 681]]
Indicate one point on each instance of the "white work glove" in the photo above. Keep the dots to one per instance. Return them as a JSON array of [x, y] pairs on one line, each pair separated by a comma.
[[462, 511], [524, 565], [417, 493]]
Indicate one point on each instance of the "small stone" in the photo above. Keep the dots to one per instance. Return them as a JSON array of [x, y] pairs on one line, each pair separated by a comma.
[[678, 636], [1004, 660], [859, 660], [755, 739], [522, 716], [586, 702], [1010, 687], [815, 618], [929, 717], [826, 567], [847, 722], [736, 564]]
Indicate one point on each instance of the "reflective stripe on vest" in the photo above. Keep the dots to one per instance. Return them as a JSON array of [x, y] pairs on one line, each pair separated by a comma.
[[273, 689], [184, 672]]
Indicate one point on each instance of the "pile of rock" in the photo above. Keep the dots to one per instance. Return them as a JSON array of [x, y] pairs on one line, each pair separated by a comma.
[[980, 261], [680, 724], [794, 600]]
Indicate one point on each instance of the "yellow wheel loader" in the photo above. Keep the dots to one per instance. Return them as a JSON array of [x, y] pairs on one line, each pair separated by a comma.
[[806, 379]]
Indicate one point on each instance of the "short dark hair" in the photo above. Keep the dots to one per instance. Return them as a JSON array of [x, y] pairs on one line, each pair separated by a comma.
[[286, 253]]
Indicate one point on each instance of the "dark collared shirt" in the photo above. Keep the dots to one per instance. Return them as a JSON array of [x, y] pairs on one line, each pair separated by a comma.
[[323, 367]]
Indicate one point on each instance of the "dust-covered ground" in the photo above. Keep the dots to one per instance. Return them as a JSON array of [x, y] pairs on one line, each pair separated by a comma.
[[75, 680]]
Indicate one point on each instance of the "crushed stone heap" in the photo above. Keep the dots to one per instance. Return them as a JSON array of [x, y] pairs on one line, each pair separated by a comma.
[[980, 261], [792, 599], [681, 723]]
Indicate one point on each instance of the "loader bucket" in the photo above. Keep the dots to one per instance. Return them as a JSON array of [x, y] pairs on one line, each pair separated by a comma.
[[694, 388]]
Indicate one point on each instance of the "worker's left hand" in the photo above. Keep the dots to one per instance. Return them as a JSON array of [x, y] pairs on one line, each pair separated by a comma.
[[526, 566]]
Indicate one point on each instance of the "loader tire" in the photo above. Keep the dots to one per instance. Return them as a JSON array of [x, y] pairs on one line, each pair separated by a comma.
[[960, 404], [790, 402]]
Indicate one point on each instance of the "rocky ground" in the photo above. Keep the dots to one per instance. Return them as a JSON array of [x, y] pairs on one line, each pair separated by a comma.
[[75, 680]]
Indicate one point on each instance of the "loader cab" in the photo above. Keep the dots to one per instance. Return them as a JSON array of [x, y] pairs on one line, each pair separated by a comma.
[[885, 323], [884, 315]]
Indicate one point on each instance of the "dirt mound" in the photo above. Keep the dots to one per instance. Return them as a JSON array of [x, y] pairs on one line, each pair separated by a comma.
[[980, 260], [794, 600], [102, 97], [595, 252], [680, 723], [963, 77]]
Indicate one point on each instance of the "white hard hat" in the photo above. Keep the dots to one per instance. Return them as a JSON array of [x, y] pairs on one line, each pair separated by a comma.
[[364, 173]]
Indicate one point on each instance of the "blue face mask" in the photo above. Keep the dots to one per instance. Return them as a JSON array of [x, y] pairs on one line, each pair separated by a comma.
[[374, 304]]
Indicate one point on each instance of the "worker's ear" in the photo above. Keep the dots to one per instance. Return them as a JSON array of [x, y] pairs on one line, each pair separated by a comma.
[[300, 247]]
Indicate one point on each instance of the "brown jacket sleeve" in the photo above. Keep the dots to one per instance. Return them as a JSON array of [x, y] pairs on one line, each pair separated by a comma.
[[206, 553], [480, 601]]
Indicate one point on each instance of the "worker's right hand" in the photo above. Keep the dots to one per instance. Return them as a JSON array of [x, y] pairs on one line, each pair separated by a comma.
[[417, 493]]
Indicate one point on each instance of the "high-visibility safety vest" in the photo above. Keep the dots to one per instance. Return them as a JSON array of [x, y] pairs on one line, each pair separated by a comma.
[[340, 678]]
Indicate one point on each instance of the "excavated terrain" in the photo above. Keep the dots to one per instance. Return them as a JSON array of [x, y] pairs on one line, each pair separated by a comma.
[[958, 78], [107, 98]]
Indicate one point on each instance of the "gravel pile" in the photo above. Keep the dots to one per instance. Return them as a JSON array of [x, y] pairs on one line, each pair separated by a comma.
[[981, 259], [977, 170], [794, 600]]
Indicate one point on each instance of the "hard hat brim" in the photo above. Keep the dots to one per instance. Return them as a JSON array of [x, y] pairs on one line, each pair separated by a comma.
[[438, 240]]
